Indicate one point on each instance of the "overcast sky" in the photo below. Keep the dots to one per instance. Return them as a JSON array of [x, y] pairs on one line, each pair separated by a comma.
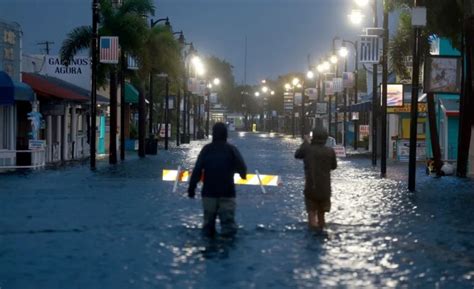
[[280, 33]]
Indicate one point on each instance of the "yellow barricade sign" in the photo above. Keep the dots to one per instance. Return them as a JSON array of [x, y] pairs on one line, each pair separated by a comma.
[[252, 179]]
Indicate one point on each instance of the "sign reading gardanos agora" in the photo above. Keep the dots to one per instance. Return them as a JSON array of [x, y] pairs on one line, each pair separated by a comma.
[[78, 72]]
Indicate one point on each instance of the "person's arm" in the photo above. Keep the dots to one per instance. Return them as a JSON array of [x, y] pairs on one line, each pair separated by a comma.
[[196, 175], [240, 166], [300, 152], [334, 160]]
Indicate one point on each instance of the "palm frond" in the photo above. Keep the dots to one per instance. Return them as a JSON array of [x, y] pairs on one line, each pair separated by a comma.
[[79, 38], [139, 7]]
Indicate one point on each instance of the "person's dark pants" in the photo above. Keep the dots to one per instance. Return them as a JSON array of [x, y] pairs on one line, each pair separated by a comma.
[[224, 208]]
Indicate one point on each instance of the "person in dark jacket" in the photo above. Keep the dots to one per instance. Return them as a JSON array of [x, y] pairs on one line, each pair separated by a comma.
[[319, 160], [216, 164]]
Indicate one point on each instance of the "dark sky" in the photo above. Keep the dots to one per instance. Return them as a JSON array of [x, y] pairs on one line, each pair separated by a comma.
[[280, 33]]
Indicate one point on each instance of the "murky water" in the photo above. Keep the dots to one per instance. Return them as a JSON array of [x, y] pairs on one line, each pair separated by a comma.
[[122, 227]]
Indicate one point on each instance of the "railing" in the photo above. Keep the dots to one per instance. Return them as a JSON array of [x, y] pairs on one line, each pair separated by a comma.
[[8, 159]]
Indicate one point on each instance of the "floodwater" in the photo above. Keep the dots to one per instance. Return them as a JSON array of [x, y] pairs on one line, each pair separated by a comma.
[[122, 227]]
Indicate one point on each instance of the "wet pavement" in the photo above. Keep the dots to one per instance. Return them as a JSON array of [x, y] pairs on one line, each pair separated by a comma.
[[122, 227]]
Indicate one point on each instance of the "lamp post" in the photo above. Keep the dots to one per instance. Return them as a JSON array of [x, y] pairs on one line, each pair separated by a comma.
[[178, 97], [215, 82], [95, 61], [185, 135], [295, 83], [150, 90], [375, 104], [344, 52]]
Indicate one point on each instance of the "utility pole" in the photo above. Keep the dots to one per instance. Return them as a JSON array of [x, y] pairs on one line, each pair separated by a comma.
[[414, 106], [123, 68], [356, 94], [375, 103], [383, 153], [167, 107], [46, 45], [95, 62]]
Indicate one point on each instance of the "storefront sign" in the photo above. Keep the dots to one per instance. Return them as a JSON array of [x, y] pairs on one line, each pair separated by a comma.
[[36, 144], [403, 150], [52, 109], [78, 72], [422, 107]]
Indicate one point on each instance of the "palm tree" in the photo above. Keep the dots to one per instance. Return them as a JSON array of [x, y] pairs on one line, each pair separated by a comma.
[[126, 22]]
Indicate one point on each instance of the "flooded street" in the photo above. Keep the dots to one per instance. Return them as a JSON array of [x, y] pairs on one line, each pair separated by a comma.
[[122, 227]]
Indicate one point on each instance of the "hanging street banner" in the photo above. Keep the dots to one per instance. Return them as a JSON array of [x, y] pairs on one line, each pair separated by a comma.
[[109, 49], [394, 95], [132, 63], [288, 101], [348, 79], [443, 74], [369, 49], [298, 97], [337, 85], [328, 88], [311, 93], [321, 107]]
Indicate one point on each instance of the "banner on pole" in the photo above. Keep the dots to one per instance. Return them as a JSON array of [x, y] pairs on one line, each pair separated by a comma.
[[132, 63], [337, 85], [369, 49], [311, 93], [328, 88], [348, 79], [109, 49]]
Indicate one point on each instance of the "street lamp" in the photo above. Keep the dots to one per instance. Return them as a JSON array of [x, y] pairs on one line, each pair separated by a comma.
[[356, 17], [345, 51], [295, 83], [150, 91], [215, 82], [361, 3]]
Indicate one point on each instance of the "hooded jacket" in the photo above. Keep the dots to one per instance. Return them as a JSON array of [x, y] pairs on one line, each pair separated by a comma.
[[319, 160], [217, 163]]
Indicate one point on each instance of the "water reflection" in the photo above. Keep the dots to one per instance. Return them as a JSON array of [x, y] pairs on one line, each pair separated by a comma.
[[135, 232]]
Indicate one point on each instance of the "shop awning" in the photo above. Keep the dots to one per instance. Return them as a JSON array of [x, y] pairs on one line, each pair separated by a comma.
[[131, 94], [52, 88], [7, 89], [358, 107], [450, 106], [47, 88], [23, 92]]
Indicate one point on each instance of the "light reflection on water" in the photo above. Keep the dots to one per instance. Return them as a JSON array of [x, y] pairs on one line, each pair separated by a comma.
[[142, 234]]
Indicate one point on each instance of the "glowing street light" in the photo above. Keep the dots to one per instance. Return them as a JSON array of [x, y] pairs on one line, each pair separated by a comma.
[[326, 66], [356, 17], [309, 74], [295, 81], [343, 52], [333, 59], [287, 86], [361, 3], [272, 92], [216, 81], [264, 89], [257, 94]]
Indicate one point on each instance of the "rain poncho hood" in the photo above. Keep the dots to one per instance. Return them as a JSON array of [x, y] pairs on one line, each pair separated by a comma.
[[219, 132]]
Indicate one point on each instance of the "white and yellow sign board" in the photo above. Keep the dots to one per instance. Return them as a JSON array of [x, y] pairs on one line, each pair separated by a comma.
[[252, 179]]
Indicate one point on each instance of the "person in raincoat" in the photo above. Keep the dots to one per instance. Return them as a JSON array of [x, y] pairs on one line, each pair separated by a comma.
[[318, 160], [216, 164]]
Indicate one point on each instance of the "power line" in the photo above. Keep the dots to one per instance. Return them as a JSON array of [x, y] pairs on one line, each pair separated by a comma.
[[46, 45]]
